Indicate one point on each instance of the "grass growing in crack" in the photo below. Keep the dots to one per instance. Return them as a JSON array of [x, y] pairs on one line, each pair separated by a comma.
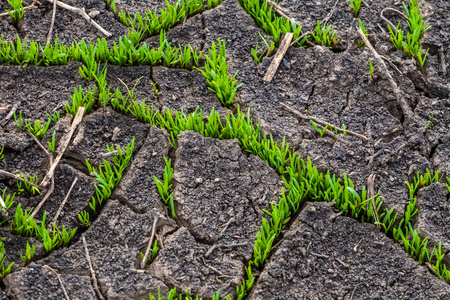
[[4, 270], [267, 51], [155, 88], [29, 183], [325, 35], [397, 36], [370, 68], [38, 128], [356, 5], [216, 74], [8, 201], [80, 99], [2, 155], [267, 20], [55, 117], [52, 144], [173, 295], [29, 253], [17, 10], [421, 181], [56, 54], [165, 185], [84, 218], [108, 175], [18, 120], [152, 257], [320, 131], [363, 28], [153, 23]]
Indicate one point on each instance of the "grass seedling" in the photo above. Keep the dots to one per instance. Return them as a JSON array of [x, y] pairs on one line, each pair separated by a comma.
[[84, 218], [29, 183], [421, 59], [386, 220], [356, 5], [52, 144], [174, 296], [421, 181], [29, 253], [37, 128], [320, 131], [370, 68], [2, 156], [216, 74], [22, 223], [17, 10], [3, 269], [165, 185], [155, 249], [256, 58], [363, 28], [397, 37], [18, 120], [213, 3], [55, 117], [325, 35], [80, 99], [155, 88]]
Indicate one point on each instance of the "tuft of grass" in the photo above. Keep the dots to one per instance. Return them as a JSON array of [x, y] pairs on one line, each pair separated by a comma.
[[2, 156], [363, 29], [80, 99], [52, 144], [173, 295], [321, 131], [84, 218], [397, 36], [216, 74], [29, 253], [356, 5], [37, 128], [17, 11], [4, 270], [29, 183], [325, 35], [55, 117], [18, 120], [165, 185]]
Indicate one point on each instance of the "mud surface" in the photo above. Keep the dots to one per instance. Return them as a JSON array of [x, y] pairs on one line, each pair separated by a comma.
[[221, 193]]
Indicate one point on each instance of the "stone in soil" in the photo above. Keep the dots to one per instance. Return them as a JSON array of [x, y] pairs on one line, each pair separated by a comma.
[[71, 27], [433, 217], [185, 90], [37, 283], [217, 183], [324, 256], [138, 188], [105, 127], [115, 241]]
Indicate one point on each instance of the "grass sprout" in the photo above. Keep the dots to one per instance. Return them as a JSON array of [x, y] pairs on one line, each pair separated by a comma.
[[165, 185], [2, 155], [17, 10], [356, 5], [84, 218], [4, 270], [29, 253], [325, 35], [216, 74], [37, 128], [18, 120], [173, 295], [52, 144], [80, 99]]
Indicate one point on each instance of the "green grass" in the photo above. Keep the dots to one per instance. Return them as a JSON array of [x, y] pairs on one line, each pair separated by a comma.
[[325, 35], [173, 295], [356, 5], [216, 74], [4, 270], [165, 185], [17, 11]]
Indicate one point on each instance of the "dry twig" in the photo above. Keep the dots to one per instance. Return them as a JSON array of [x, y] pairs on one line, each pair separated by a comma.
[[398, 93], [150, 243], [321, 122], [49, 36], [25, 8], [82, 12], [60, 281], [64, 201], [94, 278], [393, 27], [64, 143], [370, 194], [278, 57], [10, 114]]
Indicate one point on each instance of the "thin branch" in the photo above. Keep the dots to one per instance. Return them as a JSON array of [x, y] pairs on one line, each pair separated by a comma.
[[330, 14], [94, 278], [393, 27], [150, 243], [25, 8], [82, 13], [278, 57], [320, 121], [10, 114], [281, 11], [398, 93], [60, 281], [65, 200], [299, 39], [224, 246], [49, 36], [65, 142]]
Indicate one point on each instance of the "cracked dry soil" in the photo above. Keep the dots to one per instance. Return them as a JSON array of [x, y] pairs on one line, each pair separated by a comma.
[[220, 192]]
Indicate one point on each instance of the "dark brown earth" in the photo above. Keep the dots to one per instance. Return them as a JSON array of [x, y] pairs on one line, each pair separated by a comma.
[[219, 190]]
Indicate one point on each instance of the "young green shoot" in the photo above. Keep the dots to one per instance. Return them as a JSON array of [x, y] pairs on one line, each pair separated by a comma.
[[17, 11], [29, 253], [356, 5], [52, 144], [370, 68], [325, 35], [4, 270], [165, 185]]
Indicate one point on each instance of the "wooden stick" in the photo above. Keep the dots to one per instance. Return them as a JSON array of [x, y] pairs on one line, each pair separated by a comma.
[[299, 38], [278, 57], [320, 121], [49, 36], [5, 107], [224, 246], [10, 114], [25, 8], [370, 194], [94, 278], [82, 13], [50, 161], [149, 246], [64, 201], [398, 93], [282, 12], [393, 27], [59, 279], [65, 141]]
